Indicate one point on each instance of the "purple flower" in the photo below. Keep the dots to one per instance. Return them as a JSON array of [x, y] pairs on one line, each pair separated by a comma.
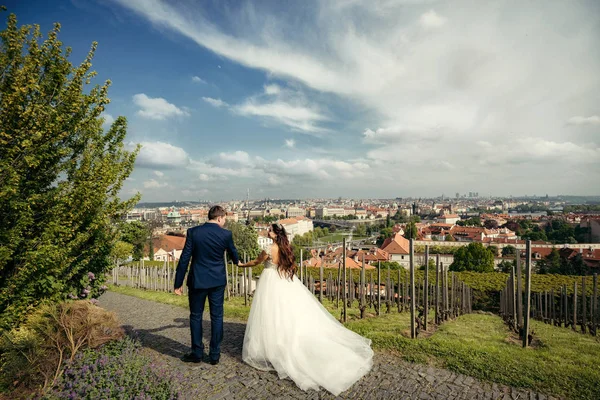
[[94, 301], [103, 287], [91, 276], [86, 291], [72, 296]]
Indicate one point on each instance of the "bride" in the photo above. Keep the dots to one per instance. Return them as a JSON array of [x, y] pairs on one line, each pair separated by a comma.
[[290, 332]]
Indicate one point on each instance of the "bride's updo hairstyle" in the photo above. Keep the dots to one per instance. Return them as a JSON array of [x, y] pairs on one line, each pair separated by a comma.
[[287, 264]]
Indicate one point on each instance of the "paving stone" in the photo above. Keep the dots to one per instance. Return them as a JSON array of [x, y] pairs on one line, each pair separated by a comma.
[[164, 330]]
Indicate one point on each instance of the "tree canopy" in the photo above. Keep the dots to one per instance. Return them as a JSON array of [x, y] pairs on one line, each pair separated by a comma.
[[60, 173], [474, 257], [245, 239]]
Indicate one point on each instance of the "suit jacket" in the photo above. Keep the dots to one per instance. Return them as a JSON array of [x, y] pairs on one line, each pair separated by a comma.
[[205, 245]]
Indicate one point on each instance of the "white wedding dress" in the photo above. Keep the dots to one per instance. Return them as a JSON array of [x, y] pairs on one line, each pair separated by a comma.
[[290, 332]]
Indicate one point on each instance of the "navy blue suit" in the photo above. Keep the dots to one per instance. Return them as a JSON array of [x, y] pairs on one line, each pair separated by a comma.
[[205, 245]]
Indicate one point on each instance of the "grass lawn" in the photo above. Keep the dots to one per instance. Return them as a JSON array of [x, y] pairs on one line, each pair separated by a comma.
[[561, 362]]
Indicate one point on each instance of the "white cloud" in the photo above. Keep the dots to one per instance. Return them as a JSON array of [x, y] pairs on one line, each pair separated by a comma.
[[274, 181], [291, 143], [159, 174], [239, 156], [215, 169], [108, 120], [298, 117], [197, 79], [431, 19], [157, 108], [314, 168], [272, 89], [215, 102], [161, 155], [195, 193], [532, 150], [579, 120], [423, 83], [154, 184]]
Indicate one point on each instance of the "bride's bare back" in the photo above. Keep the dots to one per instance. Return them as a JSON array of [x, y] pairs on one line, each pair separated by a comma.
[[274, 253]]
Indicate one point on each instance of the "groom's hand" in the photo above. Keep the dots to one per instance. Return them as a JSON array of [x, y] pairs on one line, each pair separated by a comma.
[[179, 291]]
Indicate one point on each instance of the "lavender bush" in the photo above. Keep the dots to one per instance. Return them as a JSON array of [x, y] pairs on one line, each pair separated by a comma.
[[117, 370]]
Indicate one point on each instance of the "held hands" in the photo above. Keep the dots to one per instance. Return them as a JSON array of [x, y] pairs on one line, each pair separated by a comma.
[[179, 291]]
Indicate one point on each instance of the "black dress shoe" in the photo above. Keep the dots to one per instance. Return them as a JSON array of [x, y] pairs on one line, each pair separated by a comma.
[[191, 358], [214, 362]]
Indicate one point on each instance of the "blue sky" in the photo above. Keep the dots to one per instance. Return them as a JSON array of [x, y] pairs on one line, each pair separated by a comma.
[[355, 98]]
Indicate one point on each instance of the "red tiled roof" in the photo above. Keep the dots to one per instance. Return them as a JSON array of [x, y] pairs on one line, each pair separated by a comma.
[[288, 221], [446, 216], [168, 242], [398, 245]]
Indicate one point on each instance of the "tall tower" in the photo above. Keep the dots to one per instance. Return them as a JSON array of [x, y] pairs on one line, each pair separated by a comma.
[[248, 197]]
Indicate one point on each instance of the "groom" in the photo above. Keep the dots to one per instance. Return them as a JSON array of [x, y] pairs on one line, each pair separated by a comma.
[[206, 245]]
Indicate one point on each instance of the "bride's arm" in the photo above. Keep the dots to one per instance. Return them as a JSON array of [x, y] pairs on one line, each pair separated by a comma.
[[262, 257]]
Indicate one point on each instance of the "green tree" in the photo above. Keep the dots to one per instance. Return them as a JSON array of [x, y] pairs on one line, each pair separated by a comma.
[[509, 251], [384, 234], [410, 232], [137, 234], [245, 239], [506, 266], [393, 265], [559, 231], [473, 221], [474, 257], [360, 230], [415, 218], [449, 238], [431, 263], [535, 234], [578, 266], [490, 224], [60, 174], [318, 232], [121, 251], [551, 264], [151, 249], [583, 234]]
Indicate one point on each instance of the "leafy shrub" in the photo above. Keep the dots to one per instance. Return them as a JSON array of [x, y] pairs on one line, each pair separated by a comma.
[[33, 355], [60, 174], [117, 370]]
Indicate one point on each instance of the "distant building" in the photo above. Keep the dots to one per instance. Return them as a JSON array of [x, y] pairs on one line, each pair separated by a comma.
[[398, 249], [296, 226], [295, 212], [174, 217], [448, 219], [168, 247]]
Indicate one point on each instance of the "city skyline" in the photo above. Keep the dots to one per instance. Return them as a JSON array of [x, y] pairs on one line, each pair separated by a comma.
[[363, 99]]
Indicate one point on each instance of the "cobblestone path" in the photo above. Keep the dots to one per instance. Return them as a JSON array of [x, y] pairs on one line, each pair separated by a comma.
[[165, 329]]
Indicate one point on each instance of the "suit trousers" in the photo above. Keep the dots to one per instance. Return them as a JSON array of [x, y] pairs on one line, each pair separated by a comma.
[[197, 299]]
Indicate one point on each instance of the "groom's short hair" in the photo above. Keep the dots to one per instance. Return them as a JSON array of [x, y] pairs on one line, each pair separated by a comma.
[[216, 212]]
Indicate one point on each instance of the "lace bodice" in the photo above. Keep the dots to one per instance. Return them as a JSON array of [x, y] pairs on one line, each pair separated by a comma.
[[269, 262]]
